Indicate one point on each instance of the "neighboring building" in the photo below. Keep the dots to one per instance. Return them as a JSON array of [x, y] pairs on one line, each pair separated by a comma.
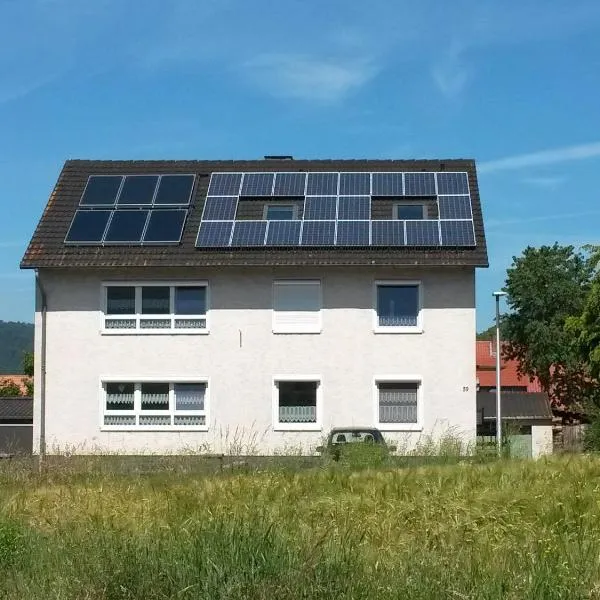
[[18, 380], [250, 306], [16, 425], [526, 417]]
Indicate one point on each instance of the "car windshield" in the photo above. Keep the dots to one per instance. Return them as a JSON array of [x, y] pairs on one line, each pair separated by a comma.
[[352, 436]]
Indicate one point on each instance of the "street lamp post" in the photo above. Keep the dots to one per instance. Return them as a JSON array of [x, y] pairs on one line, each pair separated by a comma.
[[498, 295]]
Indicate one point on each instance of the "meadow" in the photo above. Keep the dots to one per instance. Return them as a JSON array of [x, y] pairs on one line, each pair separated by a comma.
[[503, 529]]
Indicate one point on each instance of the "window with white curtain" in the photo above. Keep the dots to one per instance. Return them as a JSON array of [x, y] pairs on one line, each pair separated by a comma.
[[398, 403], [398, 306], [296, 306], [154, 405]]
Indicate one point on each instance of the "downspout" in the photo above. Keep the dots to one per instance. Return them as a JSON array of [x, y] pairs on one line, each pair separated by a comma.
[[42, 383]]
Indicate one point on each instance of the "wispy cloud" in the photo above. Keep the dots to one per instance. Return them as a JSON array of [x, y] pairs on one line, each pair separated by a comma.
[[545, 157], [498, 223], [310, 78], [548, 182], [450, 74]]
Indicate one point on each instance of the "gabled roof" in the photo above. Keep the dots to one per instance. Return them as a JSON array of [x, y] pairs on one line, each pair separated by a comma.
[[47, 248], [515, 405], [17, 409]]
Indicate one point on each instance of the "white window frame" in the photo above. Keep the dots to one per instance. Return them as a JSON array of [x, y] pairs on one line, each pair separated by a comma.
[[418, 426], [423, 206], [137, 411], [138, 316], [291, 205], [278, 327], [318, 424], [418, 328]]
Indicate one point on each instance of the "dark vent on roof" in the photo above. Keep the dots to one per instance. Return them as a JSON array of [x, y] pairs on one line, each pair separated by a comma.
[[278, 157]]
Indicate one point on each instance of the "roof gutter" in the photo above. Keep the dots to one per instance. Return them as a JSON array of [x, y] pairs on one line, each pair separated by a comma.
[[44, 306]]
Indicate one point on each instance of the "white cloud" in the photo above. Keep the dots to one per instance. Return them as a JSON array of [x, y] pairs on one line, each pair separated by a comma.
[[310, 78], [548, 182], [497, 223], [450, 74], [545, 157]]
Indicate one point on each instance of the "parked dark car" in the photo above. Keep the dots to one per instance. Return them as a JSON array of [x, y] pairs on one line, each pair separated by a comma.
[[341, 438]]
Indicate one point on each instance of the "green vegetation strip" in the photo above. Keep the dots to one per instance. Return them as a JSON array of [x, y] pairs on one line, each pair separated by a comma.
[[497, 530]]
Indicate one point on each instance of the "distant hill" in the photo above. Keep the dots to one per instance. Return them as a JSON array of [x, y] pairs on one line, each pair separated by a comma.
[[15, 338]]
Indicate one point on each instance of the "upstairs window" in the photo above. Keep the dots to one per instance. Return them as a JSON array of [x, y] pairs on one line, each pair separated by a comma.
[[296, 306], [398, 307], [280, 212], [155, 308], [410, 212]]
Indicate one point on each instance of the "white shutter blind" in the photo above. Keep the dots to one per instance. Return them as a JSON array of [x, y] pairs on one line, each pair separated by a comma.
[[297, 307]]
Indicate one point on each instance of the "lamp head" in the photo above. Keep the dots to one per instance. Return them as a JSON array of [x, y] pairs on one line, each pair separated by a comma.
[[499, 294]]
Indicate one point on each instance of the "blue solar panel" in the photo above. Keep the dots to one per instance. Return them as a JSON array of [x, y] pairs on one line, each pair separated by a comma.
[[101, 190], [214, 234], [126, 227], [457, 233], [322, 184], [283, 233], [355, 184], [165, 226], [387, 184], [419, 184], [387, 233], [257, 184], [352, 233], [455, 207], [422, 233], [225, 184], [452, 183], [289, 184], [320, 207], [354, 207], [249, 233], [138, 190], [220, 208], [88, 226], [318, 233], [174, 190]]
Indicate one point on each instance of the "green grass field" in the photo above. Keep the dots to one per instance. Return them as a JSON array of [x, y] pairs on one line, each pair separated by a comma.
[[496, 530]]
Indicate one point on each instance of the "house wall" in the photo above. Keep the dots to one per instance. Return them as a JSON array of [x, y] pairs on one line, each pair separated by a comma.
[[241, 355], [541, 440]]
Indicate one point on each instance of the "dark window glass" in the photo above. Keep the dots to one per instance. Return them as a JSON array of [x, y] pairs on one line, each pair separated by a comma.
[[409, 212], [119, 396], [120, 300], [297, 393], [156, 300], [397, 305], [155, 396], [189, 396], [283, 212], [190, 300]]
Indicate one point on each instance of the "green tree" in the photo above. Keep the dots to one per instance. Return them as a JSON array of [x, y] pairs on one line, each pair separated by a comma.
[[28, 366], [9, 388], [547, 287]]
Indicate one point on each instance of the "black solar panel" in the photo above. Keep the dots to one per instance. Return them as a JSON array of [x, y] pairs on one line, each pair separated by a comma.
[[387, 233], [257, 184], [322, 184], [457, 233], [354, 207], [165, 226], [88, 226], [220, 208], [101, 190], [289, 184], [419, 184], [318, 233], [355, 184], [214, 234], [422, 233], [352, 233], [320, 207], [126, 227], [225, 184], [174, 190], [452, 183], [138, 190], [455, 207], [283, 233], [387, 184], [249, 233]]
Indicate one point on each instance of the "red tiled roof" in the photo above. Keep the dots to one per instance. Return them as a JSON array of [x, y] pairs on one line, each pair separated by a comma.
[[18, 380]]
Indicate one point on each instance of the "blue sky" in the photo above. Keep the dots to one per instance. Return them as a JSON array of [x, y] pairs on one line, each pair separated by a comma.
[[514, 85]]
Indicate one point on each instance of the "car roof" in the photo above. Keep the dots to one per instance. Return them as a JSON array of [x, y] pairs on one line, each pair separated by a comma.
[[355, 428]]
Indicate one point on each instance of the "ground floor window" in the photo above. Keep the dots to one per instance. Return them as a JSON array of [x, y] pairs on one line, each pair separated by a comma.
[[297, 403], [398, 403], [154, 404]]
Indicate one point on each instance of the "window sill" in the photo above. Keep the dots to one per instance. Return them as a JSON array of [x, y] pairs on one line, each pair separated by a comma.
[[172, 428], [399, 426], [154, 332], [308, 330], [409, 330], [297, 427]]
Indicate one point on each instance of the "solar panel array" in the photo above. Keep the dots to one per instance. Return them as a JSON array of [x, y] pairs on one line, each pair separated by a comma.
[[337, 210], [132, 210]]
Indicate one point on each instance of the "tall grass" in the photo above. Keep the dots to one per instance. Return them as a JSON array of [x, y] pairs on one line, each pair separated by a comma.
[[508, 529]]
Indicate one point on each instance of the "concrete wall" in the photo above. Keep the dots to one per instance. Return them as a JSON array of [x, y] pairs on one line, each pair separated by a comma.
[[15, 439], [241, 355], [541, 440]]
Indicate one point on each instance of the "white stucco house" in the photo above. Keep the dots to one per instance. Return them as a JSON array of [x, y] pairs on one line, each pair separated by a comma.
[[251, 306]]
